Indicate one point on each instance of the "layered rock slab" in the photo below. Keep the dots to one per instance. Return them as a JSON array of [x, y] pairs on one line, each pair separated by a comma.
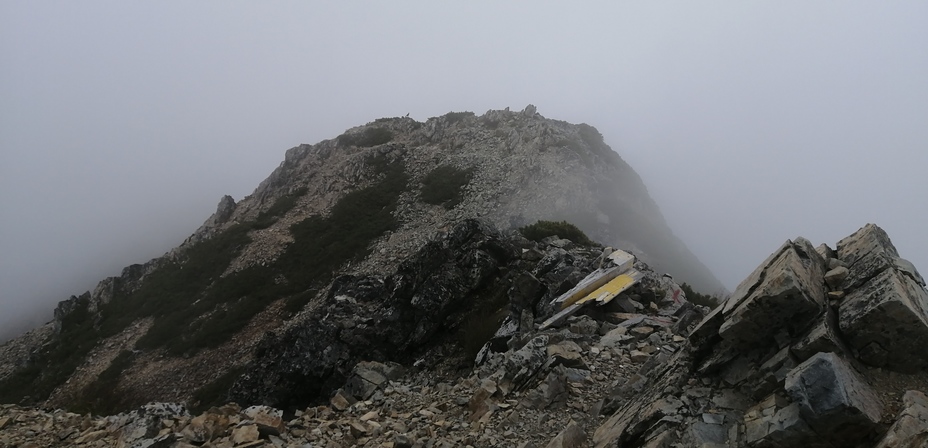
[[886, 321], [833, 399], [786, 292]]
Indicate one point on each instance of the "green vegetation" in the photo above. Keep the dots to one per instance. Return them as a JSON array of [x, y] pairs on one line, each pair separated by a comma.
[[563, 229], [193, 307], [698, 298], [279, 208], [444, 184], [103, 396], [321, 245], [214, 393], [35, 382], [595, 141], [371, 136]]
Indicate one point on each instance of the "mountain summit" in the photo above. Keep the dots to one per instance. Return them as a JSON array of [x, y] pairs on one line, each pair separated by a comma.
[[360, 204], [374, 291]]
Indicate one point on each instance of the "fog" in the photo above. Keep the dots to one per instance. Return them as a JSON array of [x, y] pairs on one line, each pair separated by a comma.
[[123, 123]]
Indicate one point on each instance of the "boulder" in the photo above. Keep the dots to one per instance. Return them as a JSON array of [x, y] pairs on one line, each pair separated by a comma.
[[566, 353], [867, 252], [367, 377], [268, 420], [785, 293], [836, 276], [886, 321], [833, 400], [572, 436], [777, 427], [552, 391]]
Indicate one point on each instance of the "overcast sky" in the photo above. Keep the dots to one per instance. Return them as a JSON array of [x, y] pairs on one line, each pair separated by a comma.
[[123, 123]]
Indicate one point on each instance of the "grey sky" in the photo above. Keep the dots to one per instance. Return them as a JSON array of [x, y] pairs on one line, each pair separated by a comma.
[[123, 123]]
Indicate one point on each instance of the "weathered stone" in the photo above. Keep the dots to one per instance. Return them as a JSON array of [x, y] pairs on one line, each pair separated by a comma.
[[783, 427], [886, 320], [638, 356], [826, 252], [552, 390], [206, 427], [572, 436], [832, 399], [402, 441], [836, 276], [525, 363], [642, 331], [566, 353], [835, 295], [582, 325], [820, 338], [786, 292], [245, 434], [713, 419], [269, 420], [769, 376], [615, 337], [706, 435], [367, 377], [907, 268], [479, 403], [731, 399], [341, 400], [911, 427], [867, 252]]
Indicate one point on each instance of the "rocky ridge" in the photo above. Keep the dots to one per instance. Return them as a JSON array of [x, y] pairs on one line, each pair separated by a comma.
[[647, 370], [199, 314]]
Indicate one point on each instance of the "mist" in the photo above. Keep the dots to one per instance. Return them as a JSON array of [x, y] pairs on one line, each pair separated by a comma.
[[122, 124]]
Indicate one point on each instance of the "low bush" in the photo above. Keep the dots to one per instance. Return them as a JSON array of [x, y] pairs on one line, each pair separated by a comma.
[[103, 396], [699, 298], [214, 393], [194, 307], [279, 208], [563, 229], [371, 136], [444, 186], [55, 362]]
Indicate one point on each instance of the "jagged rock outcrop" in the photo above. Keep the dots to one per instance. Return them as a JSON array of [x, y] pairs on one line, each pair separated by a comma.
[[605, 378], [380, 319], [785, 361]]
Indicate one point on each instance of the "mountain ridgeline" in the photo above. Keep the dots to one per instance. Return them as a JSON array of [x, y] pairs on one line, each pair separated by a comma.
[[360, 212]]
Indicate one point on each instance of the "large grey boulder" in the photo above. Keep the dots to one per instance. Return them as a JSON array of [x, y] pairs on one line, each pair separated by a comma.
[[886, 320], [867, 252], [786, 292], [833, 399]]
